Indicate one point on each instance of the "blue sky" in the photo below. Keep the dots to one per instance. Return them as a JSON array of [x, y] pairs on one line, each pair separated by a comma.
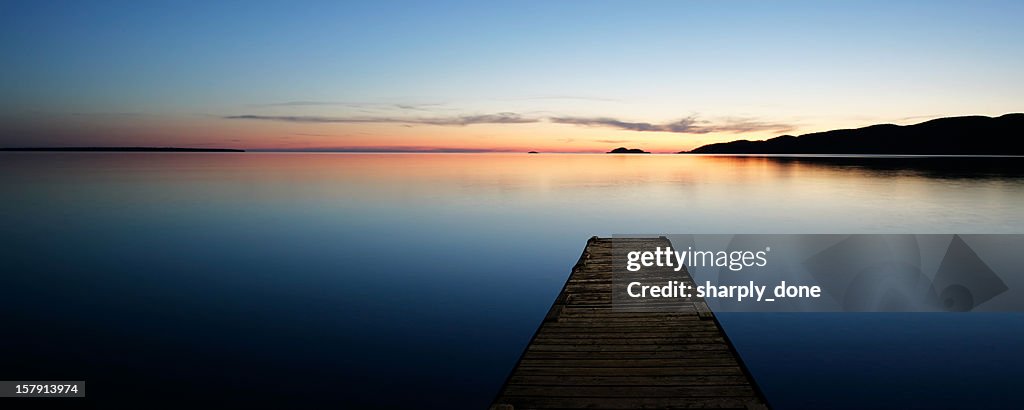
[[175, 73]]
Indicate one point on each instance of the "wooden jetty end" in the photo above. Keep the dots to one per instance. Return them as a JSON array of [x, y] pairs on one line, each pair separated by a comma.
[[587, 355]]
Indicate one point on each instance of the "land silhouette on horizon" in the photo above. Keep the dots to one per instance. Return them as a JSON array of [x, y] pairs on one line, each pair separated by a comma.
[[122, 149], [967, 135], [624, 150]]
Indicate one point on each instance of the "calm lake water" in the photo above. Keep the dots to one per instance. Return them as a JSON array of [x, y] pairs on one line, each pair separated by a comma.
[[415, 280]]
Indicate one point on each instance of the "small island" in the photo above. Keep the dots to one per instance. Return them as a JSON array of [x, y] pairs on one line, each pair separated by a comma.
[[624, 150], [533, 152], [122, 149]]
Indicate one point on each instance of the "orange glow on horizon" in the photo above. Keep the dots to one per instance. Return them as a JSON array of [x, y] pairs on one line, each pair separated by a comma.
[[542, 136]]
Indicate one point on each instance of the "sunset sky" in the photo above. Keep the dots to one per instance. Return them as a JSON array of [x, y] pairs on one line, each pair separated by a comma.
[[567, 76]]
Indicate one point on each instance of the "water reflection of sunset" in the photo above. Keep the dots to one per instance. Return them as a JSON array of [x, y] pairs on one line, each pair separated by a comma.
[[653, 192]]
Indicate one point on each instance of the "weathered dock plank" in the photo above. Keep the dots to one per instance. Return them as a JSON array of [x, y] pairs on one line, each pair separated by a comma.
[[585, 354]]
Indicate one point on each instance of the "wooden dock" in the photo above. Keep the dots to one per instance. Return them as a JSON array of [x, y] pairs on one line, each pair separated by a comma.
[[587, 355]]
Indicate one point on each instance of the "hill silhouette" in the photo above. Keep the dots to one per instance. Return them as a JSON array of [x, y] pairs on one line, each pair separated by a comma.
[[624, 150], [969, 135]]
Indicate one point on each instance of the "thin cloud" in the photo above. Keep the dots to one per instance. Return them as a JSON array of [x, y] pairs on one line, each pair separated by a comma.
[[687, 125], [418, 107], [300, 104], [499, 118], [303, 134], [565, 97], [607, 122], [401, 106], [111, 114], [920, 117], [738, 125]]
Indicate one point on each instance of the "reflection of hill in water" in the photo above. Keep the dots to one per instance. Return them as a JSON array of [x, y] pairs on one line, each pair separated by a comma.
[[934, 167]]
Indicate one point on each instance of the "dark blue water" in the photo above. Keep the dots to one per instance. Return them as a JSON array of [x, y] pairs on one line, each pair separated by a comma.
[[883, 360], [392, 281]]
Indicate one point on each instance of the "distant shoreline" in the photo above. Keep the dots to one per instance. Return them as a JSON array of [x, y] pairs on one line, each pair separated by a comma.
[[119, 149], [653, 154]]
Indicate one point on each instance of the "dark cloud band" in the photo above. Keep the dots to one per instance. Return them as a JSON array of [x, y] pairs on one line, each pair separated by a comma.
[[500, 118], [687, 125]]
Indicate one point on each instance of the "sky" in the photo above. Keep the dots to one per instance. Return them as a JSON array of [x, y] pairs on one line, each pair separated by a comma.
[[552, 76]]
